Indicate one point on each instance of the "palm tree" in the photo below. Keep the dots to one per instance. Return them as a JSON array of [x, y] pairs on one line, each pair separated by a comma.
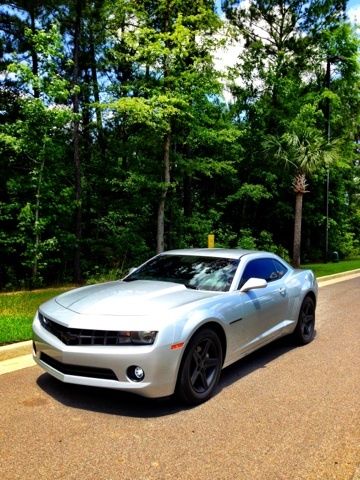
[[305, 151], [299, 186]]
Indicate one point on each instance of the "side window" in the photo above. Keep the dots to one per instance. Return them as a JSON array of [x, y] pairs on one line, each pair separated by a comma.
[[265, 268], [280, 269]]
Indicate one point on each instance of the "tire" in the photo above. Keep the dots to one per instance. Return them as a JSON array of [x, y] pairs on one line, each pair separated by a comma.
[[200, 368], [305, 329]]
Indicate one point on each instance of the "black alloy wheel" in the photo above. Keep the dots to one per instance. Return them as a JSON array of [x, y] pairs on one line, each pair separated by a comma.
[[201, 367], [305, 328]]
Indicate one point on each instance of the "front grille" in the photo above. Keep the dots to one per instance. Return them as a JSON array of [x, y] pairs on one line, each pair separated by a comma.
[[81, 336], [78, 370]]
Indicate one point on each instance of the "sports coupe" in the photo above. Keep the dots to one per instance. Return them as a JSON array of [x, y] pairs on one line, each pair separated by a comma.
[[173, 323]]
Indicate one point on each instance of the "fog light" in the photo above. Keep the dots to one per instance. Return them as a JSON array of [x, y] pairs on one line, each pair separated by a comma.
[[139, 373], [135, 373]]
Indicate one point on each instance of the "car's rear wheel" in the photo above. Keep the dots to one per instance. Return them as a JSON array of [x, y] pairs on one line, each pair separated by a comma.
[[200, 368], [305, 328]]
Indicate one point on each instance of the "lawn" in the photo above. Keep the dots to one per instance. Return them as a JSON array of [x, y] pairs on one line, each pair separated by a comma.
[[17, 309], [330, 268]]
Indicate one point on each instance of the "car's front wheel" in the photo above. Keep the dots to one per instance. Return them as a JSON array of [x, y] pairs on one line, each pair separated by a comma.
[[305, 328], [200, 368]]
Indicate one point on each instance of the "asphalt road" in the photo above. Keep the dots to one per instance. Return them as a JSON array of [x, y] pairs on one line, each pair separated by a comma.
[[283, 413]]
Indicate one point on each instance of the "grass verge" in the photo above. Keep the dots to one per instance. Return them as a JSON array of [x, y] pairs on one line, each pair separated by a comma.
[[17, 309], [17, 312], [323, 269]]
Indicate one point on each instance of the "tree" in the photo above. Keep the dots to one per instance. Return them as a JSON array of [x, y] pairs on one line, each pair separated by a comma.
[[115, 139], [305, 150], [32, 140], [282, 76], [168, 43]]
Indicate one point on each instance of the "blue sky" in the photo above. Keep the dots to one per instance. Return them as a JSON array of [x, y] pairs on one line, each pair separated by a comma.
[[353, 3]]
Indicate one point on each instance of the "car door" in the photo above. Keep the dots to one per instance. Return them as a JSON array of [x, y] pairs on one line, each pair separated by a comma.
[[263, 310]]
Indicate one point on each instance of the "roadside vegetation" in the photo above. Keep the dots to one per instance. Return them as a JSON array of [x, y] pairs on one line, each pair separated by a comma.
[[323, 269], [125, 130], [17, 309]]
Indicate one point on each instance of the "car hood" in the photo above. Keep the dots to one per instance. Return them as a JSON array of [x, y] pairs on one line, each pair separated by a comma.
[[139, 297]]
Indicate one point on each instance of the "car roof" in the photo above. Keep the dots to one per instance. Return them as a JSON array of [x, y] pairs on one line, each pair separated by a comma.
[[212, 252]]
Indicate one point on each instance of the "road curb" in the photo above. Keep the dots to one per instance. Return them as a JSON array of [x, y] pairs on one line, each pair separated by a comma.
[[15, 350], [16, 363]]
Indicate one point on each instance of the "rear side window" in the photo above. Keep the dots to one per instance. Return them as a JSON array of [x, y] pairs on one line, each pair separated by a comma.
[[266, 268], [280, 268]]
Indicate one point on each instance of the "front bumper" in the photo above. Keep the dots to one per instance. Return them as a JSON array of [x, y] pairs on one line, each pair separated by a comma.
[[107, 366]]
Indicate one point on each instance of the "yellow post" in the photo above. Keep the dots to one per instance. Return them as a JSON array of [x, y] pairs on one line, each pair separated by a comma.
[[211, 240]]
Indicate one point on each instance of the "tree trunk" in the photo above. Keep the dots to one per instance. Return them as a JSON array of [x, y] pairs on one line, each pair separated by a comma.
[[76, 146], [160, 242], [328, 135], [36, 223], [96, 92], [187, 200], [34, 55], [297, 229], [160, 237]]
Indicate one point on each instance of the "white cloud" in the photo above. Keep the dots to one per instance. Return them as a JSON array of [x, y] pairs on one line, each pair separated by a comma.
[[227, 55], [354, 14]]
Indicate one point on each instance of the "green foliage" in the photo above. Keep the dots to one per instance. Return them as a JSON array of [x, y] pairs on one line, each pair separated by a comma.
[[195, 229], [37, 142], [247, 240], [291, 98], [263, 241], [253, 192], [141, 71], [47, 79]]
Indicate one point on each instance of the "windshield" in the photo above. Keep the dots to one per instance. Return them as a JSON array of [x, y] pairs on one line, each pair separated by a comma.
[[196, 272]]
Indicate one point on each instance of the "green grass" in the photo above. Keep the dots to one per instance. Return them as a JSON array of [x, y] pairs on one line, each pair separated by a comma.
[[17, 311], [330, 268]]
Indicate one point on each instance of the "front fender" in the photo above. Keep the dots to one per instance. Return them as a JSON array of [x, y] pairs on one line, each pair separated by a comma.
[[194, 321]]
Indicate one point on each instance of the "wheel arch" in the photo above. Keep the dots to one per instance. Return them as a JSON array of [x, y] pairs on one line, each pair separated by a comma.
[[312, 295], [304, 331], [218, 329]]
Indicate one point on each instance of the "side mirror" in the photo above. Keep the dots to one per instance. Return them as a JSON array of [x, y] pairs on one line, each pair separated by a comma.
[[253, 283]]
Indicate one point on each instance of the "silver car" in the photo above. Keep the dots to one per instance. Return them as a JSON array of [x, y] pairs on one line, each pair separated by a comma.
[[173, 323]]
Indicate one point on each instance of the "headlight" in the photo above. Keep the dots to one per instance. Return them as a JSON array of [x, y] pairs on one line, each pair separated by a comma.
[[143, 338]]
